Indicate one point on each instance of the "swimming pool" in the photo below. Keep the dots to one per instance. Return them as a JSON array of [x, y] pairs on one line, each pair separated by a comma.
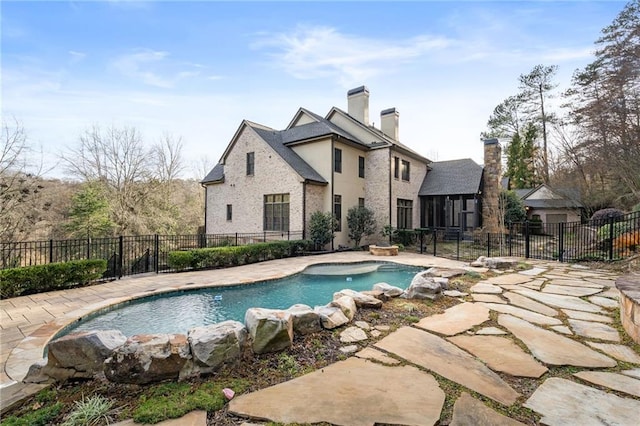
[[177, 312]]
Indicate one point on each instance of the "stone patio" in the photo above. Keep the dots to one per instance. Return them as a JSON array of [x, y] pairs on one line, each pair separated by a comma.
[[542, 316]]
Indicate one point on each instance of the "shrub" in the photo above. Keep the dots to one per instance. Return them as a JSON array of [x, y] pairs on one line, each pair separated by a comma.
[[361, 223], [90, 411], [322, 227], [53, 276], [220, 257], [605, 215], [628, 242], [619, 228], [40, 417]]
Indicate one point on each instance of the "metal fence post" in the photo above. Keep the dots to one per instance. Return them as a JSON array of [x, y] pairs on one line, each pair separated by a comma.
[[488, 244], [458, 246], [510, 239], [50, 251], [236, 239], [120, 255], [561, 242], [435, 238], [611, 238], [156, 253], [527, 239]]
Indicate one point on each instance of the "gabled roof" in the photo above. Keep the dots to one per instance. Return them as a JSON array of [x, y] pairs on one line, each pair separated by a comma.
[[378, 136], [216, 175], [452, 177], [556, 201], [274, 139]]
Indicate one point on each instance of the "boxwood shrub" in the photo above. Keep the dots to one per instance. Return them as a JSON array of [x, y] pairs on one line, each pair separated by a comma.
[[220, 257], [53, 276]]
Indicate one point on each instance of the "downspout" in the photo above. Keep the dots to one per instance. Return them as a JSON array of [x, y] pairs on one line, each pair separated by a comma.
[[304, 209], [333, 171], [205, 206], [390, 192]]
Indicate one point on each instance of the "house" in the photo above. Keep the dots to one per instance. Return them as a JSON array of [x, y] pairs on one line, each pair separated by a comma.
[[271, 180], [549, 206]]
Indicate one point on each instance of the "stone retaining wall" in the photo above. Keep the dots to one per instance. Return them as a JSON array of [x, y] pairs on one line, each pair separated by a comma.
[[629, 286]]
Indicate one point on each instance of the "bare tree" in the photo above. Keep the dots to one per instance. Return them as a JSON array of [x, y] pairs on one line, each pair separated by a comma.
[[168, 158], [19, 183]]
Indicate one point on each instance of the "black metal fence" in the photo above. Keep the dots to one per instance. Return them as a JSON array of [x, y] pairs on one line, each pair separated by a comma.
[[602, 240], [126, 255]]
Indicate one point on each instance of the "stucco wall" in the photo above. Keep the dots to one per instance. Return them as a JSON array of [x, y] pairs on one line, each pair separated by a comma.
[[348, 185], [246, 193], [572, 215]]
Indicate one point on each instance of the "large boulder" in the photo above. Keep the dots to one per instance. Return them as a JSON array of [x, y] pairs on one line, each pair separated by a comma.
[[305, 319], [216, 344], [271, 330], [424, 286], [362, 300], [388, 289], [445, 272], [331, 317], [148, 358], [347, 305], [78, 355]]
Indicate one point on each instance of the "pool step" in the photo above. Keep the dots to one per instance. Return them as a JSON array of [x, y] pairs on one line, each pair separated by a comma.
[[389, 268]]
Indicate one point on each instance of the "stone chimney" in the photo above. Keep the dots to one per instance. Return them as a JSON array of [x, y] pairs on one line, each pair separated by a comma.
[[358, 104], [389, 122], [491, 185]]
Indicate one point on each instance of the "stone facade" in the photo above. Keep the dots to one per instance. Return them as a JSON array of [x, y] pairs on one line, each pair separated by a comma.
[[377, 171], [272, 175], [491, 185], [629, 286]]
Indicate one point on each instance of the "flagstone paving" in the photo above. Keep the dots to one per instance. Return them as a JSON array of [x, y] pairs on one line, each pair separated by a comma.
[[605, 302], [620, 352], [563, 402], [581, 315], [456, 319], [436, 354], [594, 330], [500, 354], [468, 411], [560, 301], [552, 348], [614, 381], [533, 317], [388, 382], [351, 392], [570, 290], [526, 303]]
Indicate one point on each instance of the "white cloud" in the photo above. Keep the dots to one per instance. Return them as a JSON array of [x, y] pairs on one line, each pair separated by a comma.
[[312, 52], [138, 66]]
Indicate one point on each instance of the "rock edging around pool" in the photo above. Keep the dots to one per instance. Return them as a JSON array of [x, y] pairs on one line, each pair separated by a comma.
[[148, 358]]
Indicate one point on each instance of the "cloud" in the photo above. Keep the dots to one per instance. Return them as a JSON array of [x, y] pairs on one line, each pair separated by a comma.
[[316, 52], [137, 66]]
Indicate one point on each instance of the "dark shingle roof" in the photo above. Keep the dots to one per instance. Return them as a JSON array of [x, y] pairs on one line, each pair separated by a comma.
[[275, 140], [452, 178], [314, 130], [215, 175]]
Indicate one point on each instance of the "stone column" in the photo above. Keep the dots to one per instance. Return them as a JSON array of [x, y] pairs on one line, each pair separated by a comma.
[[491, 185]]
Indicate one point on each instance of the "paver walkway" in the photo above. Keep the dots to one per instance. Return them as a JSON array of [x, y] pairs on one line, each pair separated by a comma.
[[373, 387]]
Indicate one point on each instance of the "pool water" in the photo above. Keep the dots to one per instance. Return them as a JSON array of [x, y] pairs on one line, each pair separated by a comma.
[[178, 312]]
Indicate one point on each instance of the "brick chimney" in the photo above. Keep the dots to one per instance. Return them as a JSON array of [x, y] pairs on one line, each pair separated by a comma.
[[389, 123], [358, 104], [491, 185]]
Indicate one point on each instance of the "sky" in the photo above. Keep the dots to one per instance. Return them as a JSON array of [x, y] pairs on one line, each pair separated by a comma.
[[195, 70]]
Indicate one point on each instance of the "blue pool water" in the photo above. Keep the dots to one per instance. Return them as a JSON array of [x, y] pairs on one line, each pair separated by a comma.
[[177, 312]]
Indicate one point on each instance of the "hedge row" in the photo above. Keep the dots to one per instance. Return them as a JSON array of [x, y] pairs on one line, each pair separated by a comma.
[[220, 257], [53, 276]]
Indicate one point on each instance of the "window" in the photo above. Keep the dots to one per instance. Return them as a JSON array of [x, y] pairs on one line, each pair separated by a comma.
[[405, 214], [360, 202], [361, 167], [229, 212], [337, 211], [251, 160], [337, 160], [276, 212], [396, 167], [406, 170]]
